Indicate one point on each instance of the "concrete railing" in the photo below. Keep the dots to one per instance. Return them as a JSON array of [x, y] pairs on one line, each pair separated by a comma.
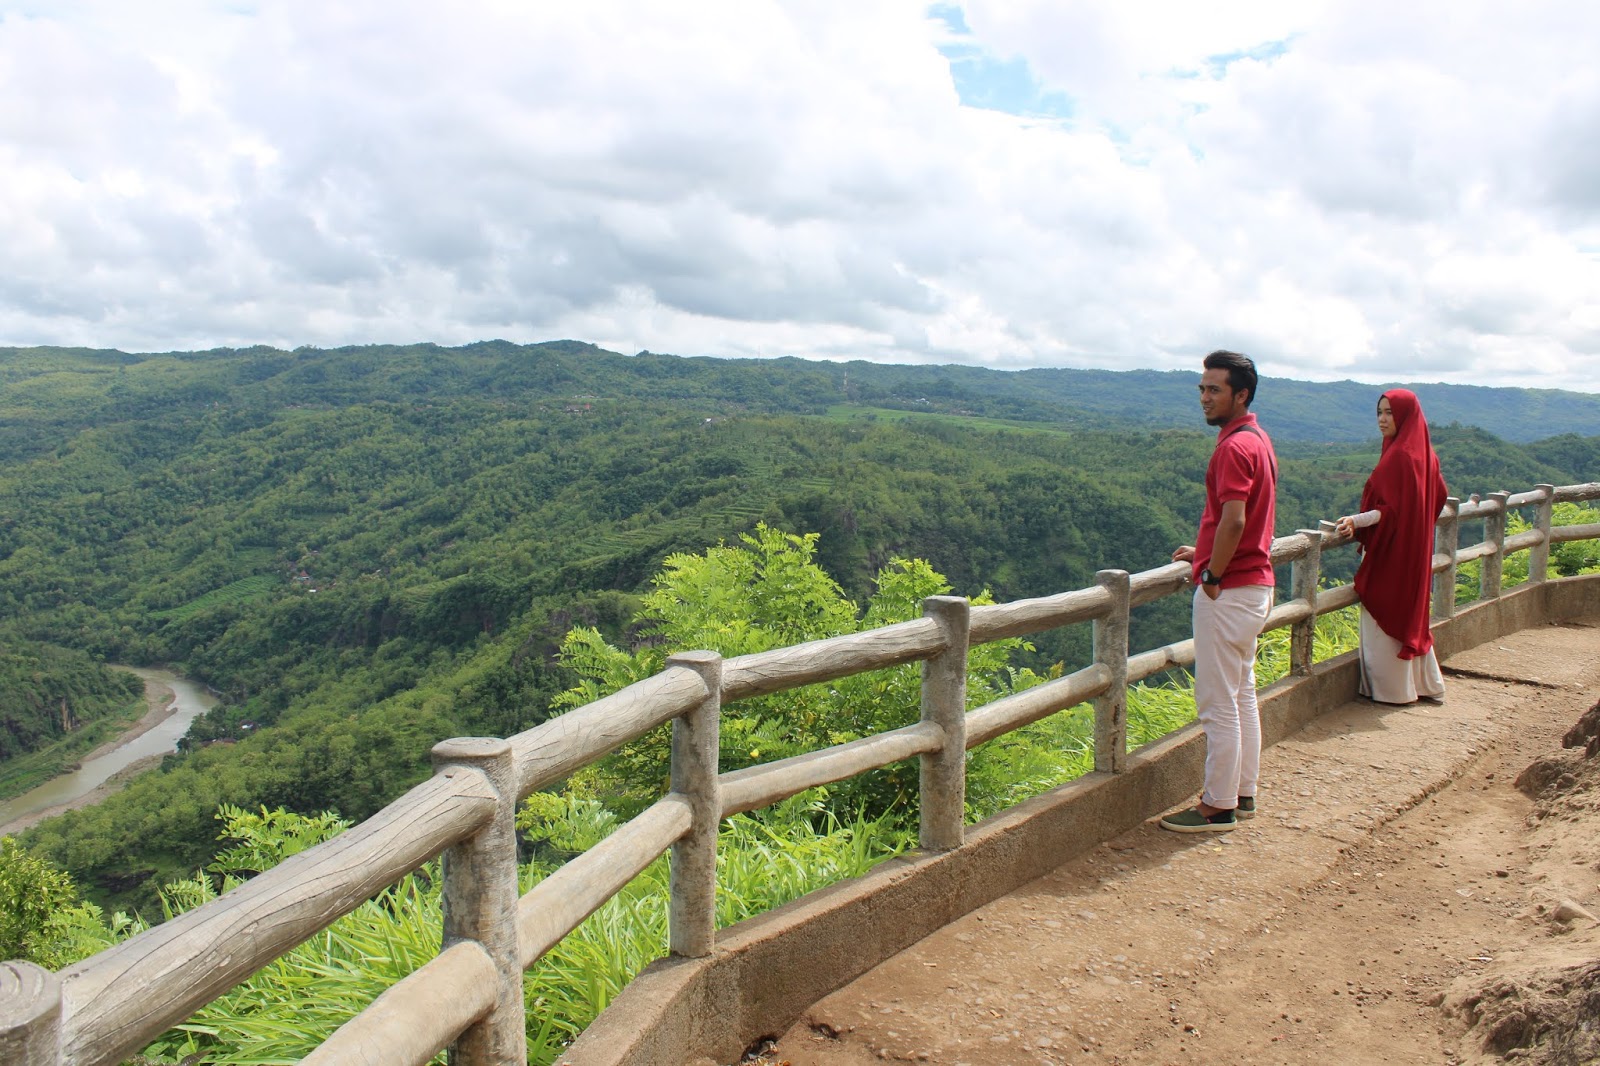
[[469, 997]]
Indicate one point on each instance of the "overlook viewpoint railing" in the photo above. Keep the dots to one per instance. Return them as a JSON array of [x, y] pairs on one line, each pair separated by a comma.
[[469, 997]]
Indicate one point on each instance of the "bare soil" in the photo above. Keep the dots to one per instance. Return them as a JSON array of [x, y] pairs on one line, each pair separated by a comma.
[[1397, 900]]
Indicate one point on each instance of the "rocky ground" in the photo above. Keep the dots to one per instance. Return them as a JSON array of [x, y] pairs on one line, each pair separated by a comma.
[[1419, 887]]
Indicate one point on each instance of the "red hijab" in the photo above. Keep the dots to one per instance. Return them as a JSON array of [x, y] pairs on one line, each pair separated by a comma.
[[1396, 572]]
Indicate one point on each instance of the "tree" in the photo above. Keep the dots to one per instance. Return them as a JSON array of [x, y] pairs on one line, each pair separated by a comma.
[[763, 593], [32, 891]]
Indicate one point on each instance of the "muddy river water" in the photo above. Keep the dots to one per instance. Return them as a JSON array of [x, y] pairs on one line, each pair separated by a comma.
[[191, 700]]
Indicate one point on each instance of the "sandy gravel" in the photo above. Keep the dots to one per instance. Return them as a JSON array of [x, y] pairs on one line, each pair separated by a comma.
[[1393, 870]]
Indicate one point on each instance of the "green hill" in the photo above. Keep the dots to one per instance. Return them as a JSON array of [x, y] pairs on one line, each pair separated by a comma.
[[367, 550], [44, 392]]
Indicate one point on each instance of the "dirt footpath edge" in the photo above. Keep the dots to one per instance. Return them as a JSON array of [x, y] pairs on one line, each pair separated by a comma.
[[1395, 901]]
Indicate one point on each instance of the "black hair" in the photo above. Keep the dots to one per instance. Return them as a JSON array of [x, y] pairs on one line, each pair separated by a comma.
[[1241, 371]]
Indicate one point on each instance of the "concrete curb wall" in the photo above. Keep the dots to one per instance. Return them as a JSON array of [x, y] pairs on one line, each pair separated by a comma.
[[767, 970]]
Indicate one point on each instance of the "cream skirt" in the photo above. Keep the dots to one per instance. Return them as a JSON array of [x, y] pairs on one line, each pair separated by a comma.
[[1387, 678]]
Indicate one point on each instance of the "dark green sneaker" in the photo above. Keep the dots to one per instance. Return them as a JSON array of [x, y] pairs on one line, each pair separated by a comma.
[[1246, 808], [1192, 821]]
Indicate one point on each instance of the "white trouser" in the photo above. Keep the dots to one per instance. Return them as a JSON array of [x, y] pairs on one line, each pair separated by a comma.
[[1225, 631]]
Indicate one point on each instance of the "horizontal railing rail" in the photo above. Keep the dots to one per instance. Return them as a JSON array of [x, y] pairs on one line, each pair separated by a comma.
[[116, 1002], [105, 1008]]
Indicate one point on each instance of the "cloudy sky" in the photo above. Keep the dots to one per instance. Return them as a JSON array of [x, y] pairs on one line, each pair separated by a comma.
[[1369, 189]]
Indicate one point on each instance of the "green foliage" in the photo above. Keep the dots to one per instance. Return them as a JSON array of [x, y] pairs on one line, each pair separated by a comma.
[[32, 893], [49, 693], [458, 511], [286, 1009], [759, 866], [1566, 560], [1036, 758], [1029, 761], [768, 592], [42, 920], [1575, 556], [263, 839], [289, 1007], [162, 824], [370, 549], [1335, 633], [242, 591]]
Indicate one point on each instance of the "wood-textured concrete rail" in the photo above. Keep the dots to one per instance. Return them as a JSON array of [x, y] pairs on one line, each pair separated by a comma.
[[105, 1008]]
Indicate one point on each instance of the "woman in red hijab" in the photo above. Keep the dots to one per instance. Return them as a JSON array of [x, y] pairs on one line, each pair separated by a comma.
[[1400, 504]]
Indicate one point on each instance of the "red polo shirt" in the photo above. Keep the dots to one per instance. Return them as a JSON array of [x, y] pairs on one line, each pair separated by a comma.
[[1242, 467]]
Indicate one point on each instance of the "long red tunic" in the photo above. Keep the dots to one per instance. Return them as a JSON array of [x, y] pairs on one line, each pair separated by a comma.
[[1396, 571]]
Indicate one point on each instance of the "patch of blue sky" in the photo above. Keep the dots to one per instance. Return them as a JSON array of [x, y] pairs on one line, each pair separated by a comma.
[[1217, 66], [987, 81], [1008, 85], [952, 16]]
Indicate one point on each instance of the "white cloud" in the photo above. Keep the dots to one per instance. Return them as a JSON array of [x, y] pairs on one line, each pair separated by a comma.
[[1363, 189]]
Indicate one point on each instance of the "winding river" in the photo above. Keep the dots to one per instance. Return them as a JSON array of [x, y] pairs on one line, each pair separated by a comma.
[[191, 701]]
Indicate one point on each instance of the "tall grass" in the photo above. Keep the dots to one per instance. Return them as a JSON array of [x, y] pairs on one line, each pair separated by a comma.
[[760, 865], [291, 1006]]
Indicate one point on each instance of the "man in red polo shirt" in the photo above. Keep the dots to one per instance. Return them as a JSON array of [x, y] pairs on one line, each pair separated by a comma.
[[1232, 573]]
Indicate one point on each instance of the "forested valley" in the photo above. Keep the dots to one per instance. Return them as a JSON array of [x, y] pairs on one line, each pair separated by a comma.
[[365, 551], [55, 704]]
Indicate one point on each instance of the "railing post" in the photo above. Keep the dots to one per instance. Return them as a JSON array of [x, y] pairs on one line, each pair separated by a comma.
[[1494, 532], [1446, 536], [30, 1015], [480, 902], [944, 702], [1305, 578], [1539, 554], [1111, 651], [696, 743]]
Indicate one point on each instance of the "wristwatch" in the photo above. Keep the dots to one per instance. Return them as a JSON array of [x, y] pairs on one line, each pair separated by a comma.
[[1208, 578]]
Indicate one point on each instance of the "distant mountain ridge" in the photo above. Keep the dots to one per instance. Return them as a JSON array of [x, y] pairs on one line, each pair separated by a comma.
[[1292, 410], [1339, 410]]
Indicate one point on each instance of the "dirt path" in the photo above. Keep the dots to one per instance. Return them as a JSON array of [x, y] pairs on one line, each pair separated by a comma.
[[1393, 873]]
